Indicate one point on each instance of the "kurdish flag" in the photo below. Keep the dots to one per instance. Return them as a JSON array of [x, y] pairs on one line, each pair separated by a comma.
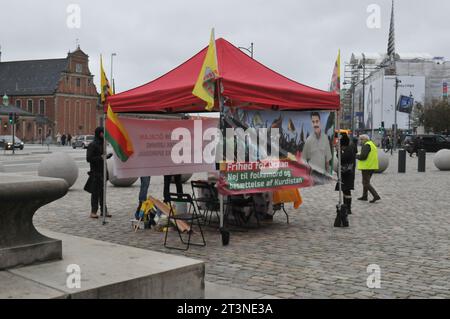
[[104, 83], [206, 82], [118, 136]]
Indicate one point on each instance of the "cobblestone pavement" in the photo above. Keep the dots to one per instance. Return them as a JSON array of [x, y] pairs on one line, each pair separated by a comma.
[[406, 234]]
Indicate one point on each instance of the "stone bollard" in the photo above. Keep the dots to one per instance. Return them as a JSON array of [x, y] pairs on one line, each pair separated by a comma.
[[59, 165], [422, 161], [402, 161], [21, 196], [442, 160], [383, 162], [113, 179]]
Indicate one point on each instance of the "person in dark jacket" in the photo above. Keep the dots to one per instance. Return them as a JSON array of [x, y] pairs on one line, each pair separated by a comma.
[[94, 185], [348, 165], [167, 181]]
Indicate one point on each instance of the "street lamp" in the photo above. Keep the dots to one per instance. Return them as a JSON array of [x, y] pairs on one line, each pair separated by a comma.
[[411, 107], [249, 50], [352, 114], [112, 79], [363, 67]]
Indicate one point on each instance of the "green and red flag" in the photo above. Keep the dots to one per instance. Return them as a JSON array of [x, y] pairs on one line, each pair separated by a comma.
[[117, 135]]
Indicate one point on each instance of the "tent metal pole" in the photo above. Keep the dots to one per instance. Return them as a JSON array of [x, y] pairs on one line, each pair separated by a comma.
[[222, 130], [104, 167], [338, 127]]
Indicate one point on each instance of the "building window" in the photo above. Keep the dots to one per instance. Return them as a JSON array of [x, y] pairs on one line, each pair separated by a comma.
[[18, 103], [41, 107], [30, 106], [78, 82], [79, 68], [87, 119]]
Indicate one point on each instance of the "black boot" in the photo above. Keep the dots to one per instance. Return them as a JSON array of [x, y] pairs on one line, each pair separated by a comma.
[[338, 219], [344, 218], [348, 203]]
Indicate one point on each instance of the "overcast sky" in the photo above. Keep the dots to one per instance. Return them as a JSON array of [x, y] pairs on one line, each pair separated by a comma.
[[299, 39]]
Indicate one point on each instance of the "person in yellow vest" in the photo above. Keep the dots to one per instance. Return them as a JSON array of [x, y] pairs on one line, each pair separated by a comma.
[[368, 164]]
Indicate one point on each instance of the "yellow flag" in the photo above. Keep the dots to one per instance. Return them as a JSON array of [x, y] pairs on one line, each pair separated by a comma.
[[104, 83], [336, 77], [206, 82]]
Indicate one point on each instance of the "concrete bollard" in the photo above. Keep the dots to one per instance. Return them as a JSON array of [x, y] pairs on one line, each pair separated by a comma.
[[422, 161], [402, 161]]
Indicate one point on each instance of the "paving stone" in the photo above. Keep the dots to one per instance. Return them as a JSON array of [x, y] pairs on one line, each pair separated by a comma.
[[406, 234]]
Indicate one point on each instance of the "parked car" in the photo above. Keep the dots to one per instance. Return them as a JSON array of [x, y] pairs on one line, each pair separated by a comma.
[[430, 143], [6, 142], [82, 141]]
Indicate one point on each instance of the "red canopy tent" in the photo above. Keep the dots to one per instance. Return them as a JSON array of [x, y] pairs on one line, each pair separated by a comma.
[[246, 84]]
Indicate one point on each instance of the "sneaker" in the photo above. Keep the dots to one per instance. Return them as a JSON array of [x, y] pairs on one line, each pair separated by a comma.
[[375, 199], [107, 215], [363, 198], [94, 215]]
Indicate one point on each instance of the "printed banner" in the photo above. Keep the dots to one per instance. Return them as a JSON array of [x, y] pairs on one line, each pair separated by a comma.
[[304, 147], [168, 147]]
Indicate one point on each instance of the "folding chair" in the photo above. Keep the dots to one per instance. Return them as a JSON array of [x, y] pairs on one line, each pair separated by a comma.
[[189, 217], [206, 197]]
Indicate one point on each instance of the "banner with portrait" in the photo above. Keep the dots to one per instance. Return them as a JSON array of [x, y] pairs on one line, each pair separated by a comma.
[[272, 150]]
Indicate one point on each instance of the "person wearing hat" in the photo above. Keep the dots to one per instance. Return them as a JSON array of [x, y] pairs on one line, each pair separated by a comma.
[[368, 164], [348, 161], [94, 184]]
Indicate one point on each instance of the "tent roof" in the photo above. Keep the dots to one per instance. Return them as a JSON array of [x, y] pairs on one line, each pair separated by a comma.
[[246, 84]]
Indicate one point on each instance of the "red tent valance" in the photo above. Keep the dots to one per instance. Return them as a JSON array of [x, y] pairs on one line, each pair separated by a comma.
[[246, 83]]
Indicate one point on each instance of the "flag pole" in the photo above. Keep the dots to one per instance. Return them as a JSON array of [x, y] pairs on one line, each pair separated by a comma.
[[104, 165], [223, 232], [338, 127], [222, 129]]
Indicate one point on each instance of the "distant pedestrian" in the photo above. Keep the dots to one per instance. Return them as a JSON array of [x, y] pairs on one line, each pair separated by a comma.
[[58, 139], [416, 144], [94, 184], [368, 164], [63, 139], [69, 139], [167, 181]]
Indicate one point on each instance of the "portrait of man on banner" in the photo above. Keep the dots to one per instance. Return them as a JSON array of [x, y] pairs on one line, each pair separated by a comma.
[[304, 148]]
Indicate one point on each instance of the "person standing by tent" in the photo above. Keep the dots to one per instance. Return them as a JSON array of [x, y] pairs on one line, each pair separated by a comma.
[[368, 164], [63, 139], [348, 161], [69, 139], [167, 181], [94, 184]]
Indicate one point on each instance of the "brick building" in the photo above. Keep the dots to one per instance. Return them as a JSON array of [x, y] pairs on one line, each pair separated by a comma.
[[59, 92]]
